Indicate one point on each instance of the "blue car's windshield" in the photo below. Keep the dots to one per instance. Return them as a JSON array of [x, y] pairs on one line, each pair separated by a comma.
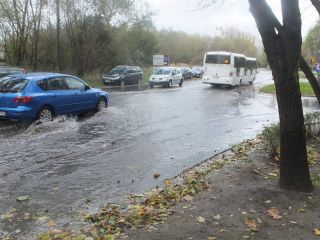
[[12, 84], [163, 71]]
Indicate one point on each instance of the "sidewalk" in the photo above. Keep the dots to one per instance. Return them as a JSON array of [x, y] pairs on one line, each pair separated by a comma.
[[243, 201]]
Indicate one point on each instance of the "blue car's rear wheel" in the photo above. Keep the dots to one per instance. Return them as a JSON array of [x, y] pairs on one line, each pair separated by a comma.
[[45, 114]]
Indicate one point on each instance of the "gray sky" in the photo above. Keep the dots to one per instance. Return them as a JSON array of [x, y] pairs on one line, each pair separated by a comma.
[[184, 15]]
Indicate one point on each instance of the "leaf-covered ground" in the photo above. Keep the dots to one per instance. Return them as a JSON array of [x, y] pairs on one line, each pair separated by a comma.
[[243, 201], [232, 196]]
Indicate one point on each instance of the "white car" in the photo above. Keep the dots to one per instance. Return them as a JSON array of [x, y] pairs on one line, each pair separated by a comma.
[[166, 76]]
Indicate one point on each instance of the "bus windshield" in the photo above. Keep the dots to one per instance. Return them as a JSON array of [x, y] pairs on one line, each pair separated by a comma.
[[218, 59]]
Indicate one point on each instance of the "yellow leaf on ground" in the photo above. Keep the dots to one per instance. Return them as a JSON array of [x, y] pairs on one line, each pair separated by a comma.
[[251, 224], [272, 174], [274, 213], [201, 220], [317, 231], [188, 198]]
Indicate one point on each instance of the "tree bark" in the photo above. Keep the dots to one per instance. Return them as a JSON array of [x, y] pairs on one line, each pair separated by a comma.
[[283, 48], [316, 4], [58, 35], [311, 78]]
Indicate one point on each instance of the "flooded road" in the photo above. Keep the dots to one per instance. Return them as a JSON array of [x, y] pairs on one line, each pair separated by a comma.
[[69, 165]]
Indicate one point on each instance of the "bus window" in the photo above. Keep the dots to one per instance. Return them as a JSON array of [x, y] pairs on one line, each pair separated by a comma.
[[218, 59]]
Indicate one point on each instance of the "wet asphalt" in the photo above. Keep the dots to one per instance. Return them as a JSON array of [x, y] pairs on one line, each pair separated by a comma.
[[71, 165]]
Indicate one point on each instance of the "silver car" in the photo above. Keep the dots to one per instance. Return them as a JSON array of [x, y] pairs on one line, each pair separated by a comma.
[[166, 77]]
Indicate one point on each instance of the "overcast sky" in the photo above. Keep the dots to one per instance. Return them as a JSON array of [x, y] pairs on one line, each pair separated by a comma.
[[185, 15]]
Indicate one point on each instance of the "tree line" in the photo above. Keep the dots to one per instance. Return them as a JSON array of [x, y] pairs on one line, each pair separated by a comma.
[[311, 45], [82, 36]]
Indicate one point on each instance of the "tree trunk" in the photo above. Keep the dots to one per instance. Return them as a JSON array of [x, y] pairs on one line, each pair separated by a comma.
[[58, 35], [311, 78], [316, 4], [283, 49]]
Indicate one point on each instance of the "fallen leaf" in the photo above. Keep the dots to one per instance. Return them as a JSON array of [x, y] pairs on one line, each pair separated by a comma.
[[121, 221], [188, 198], [317, 231], [251, 224], [212, 238], [274, 213], [272, 174], [245, 237], [302, 210], [22, 198], [52, 224], [156, 175], [42, 219], [201, 220], [169, 182]]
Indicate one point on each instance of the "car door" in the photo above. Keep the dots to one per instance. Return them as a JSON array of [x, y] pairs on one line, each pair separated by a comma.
[[176, 76], [83, 98], [131, 78], [56, 94], [179, 75]]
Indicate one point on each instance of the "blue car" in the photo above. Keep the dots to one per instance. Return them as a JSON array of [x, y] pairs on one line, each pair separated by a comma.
[[42, 96]]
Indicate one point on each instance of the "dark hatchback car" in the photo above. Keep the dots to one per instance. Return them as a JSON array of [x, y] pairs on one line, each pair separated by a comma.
[[186, 73], [5, 71], [123, 75]]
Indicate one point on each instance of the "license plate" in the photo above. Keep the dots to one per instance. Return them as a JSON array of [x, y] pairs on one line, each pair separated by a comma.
[[3, 114]]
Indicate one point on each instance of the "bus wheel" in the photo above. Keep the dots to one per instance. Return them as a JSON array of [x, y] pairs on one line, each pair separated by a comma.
[[240, 83]]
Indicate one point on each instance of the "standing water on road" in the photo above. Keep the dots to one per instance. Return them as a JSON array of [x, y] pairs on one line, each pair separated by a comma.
[[69, 165]]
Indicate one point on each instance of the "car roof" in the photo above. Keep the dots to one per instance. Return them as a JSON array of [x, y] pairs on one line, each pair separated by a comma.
[[125, 66], [167, 67], [39, 75]]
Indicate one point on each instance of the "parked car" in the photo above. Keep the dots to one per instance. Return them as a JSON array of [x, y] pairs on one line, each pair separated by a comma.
[[5, 70], [166, 77], [123, 75], [197, 71], [186, 73], [46, 95]]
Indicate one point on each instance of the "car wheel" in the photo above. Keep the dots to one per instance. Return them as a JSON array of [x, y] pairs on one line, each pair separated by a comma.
[[151, 85], [45, 114], [170, 84], [181, 82], [101, 104]]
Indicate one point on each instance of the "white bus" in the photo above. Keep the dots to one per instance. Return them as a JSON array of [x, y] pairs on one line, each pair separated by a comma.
[[227, 68]]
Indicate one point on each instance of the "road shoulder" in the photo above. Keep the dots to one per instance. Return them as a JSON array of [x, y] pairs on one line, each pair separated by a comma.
[[243, 201]]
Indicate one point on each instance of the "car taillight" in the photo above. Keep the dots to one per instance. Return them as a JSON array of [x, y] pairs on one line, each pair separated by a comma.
[[22, 99]]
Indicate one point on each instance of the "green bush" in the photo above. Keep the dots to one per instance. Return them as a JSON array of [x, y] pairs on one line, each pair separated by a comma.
[[311, 121], [271, 134]]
